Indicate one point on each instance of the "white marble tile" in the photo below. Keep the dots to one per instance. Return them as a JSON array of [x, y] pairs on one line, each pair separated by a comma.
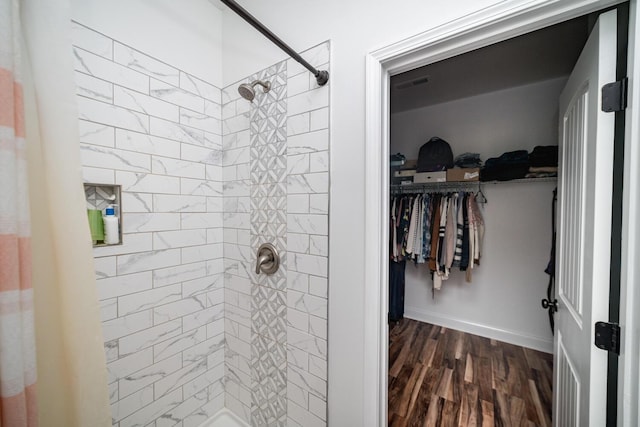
[[298, 243], [176, 96], [153, 410], [298, 204], [240, 316], [318, 407], [308, 101], [298, 124], [136, 203], [143, 143], [104, 69], [148, 183], [319, 119], [123, 285], [318, 286], [297, 84], [213, 140], [178, 378], [148, 375], [91, 87], [229, 110], [215, 266], [319, 161], [203, 350], [107, 114], [111, 350], [213, 109], [217, 327], [91, 41], [112, 158], [113, 393], [200, 87], [201, 220], [148, 299], [215, 296], [316, 55], [200, 121], [148, 260], [208, 155], [307, 342], [243, 171], [145, 64], [311, 264], [202, 253], [307, 223], [237, 188], [200, 187], [238, 284], [236, 156], [203, 317], [298, 395], [213, 172], [105, 267], [308, 142], [144, 222], [229, 173], [108, 309], [178, 238], [203, 284], [215, 235], [180, 273], [319, 245], [179, 308], [308, 183], [237, 407], [297, 413], [179, 203], [230, 235], [318, 366], [235, 124], [236, 140], [122, 326], [146, 104], [306, 303], [214, 205], [297, 357], [210, 380], [184, 410], [98, 175], [175, 167], [319, 203], [297, 281], [230, 93], [318, 328], [179, 343], [149, 337], [298, 164], [236, 220], [176, 132], [130, 404], [297, 319]]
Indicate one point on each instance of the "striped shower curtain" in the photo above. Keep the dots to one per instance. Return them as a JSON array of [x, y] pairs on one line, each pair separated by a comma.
[[17, 340]]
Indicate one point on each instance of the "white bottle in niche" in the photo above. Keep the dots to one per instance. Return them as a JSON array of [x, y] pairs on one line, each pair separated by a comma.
[[111, 235]]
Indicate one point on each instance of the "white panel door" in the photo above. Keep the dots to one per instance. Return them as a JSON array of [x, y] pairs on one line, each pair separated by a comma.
[[585, 182]]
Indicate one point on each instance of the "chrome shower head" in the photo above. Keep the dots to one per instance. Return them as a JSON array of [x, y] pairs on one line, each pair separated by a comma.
[[247, 91]]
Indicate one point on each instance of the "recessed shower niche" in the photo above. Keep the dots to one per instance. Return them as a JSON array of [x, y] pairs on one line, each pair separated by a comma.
[[104, 212]]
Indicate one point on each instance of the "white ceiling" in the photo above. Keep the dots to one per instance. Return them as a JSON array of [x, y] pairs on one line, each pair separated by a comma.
[[544, 54]]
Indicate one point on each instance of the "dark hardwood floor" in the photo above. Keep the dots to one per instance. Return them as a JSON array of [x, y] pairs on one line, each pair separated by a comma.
[[443, 377]]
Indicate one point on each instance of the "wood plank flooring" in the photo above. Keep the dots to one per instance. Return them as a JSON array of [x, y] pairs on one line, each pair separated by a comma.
[[443, 377]]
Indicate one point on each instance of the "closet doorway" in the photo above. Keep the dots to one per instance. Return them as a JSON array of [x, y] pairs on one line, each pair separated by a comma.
[[573, 185]]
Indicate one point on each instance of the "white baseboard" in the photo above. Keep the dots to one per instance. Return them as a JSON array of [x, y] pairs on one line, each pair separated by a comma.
[[511, 337]]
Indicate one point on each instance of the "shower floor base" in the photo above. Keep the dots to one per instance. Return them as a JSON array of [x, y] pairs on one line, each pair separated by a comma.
[[224, 418]]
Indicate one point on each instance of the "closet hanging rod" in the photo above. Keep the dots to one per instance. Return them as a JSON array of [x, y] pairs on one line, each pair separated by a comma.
[[460, 185], [322, 76]]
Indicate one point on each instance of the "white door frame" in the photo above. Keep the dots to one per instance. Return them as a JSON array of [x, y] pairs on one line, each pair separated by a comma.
[[487, 26]]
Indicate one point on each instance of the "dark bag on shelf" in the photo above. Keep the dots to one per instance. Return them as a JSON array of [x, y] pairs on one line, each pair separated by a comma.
[[546, 155], [435, 155]]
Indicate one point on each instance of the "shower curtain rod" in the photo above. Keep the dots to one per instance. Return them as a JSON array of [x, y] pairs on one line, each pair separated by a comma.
[[322, 76]]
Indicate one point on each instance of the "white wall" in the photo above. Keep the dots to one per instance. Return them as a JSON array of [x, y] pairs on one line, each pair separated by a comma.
[[489, 124], [189, 37]]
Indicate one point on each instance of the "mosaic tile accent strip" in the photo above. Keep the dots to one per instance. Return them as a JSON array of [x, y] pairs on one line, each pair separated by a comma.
[[268, 137]]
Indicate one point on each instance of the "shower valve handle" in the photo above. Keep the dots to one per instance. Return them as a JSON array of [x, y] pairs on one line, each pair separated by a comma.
[[267, 259]]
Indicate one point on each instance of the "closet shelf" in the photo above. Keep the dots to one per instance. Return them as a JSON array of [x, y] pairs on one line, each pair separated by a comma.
[[462, 185]]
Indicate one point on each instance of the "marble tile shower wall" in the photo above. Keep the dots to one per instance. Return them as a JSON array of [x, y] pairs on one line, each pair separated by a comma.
[[276, 183], [156, 131]]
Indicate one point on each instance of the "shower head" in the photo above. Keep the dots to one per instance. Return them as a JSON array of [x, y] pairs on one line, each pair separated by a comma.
[[247, 91]]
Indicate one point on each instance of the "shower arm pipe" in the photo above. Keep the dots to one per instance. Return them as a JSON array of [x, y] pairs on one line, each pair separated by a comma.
[[322, 77]]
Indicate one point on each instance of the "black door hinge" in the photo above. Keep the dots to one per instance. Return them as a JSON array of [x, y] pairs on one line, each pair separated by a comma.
[[608, 337], [614, 96]]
